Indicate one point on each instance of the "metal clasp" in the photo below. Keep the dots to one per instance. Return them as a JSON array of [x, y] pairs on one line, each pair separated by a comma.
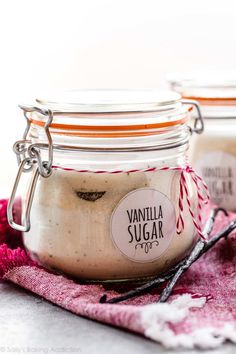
[[45, 167], [29, 157], [25, 226], [199, 122]]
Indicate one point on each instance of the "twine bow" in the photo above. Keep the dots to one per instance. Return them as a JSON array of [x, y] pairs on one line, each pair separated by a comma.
[[201, 188]]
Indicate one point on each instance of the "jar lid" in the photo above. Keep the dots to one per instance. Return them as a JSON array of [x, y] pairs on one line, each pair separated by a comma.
[[109, 110], [208, 89], [108, 101]]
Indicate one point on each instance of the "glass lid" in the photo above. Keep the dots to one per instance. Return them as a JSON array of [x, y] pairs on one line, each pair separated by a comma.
[[102, 101], [100, 111], [205, 86]]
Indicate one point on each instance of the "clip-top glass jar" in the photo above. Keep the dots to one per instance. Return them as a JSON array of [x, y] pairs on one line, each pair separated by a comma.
[[110, 191], [214, 153]]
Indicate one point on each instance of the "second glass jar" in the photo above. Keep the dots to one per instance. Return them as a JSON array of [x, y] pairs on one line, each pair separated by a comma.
[[214, 153]]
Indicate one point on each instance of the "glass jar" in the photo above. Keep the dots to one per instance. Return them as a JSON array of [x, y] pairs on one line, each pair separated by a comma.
[[214, 153], [104, 200]]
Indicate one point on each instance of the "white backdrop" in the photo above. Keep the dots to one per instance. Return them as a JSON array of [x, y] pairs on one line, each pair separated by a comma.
[[63, 44]]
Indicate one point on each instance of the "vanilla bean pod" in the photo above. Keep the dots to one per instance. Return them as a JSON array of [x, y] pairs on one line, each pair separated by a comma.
[[211, 220], [169, 274], [141, 289], [200, 248], [194, 255], [220, 235]]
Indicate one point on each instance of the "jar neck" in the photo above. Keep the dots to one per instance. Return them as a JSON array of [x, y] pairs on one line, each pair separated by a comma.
[[163, 147], [156, 139], [117, 159], [139, 156]]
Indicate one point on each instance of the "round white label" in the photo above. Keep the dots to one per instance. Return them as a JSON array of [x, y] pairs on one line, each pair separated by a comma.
[[143, 224], [218, 170]]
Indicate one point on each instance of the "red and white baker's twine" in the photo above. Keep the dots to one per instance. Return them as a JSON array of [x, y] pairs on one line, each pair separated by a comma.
[[201, 189]]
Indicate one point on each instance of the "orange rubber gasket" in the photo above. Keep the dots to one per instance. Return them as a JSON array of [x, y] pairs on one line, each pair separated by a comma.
[[111, 128], [213, 101]]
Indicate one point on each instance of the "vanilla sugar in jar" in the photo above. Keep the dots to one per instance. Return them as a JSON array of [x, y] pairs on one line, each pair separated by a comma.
[[213, 154], [109, 188]]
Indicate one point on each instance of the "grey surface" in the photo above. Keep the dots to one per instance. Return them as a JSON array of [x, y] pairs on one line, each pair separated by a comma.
[[29, 324]]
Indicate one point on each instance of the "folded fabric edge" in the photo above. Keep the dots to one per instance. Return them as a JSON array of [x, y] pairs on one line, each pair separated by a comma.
[[11, 258]]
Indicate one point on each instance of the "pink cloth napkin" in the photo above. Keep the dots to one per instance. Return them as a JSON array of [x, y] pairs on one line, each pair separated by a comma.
[[200, 313]]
